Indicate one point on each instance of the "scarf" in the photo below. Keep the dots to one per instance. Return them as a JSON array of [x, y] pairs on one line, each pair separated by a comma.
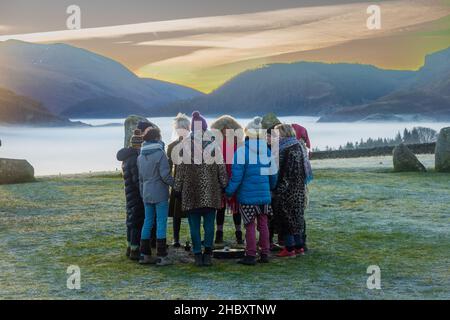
[[306, 164], [149, 147], [287, 142]]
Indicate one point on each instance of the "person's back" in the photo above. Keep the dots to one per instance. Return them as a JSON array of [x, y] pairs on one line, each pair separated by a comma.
[[154, 179], [134, 204], [253, 176], [201, 184], [248, 179]]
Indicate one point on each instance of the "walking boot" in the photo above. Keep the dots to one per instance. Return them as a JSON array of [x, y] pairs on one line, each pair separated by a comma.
[[134, 254], [207, 257], [198, 260], [219, 238], [146, 253], [239, 239], [263, 258], [248, 261], [161, 253]]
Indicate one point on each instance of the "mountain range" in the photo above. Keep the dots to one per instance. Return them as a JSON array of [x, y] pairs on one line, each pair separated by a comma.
[[20, 110], [64, 78], [334, 92], [59, 81]]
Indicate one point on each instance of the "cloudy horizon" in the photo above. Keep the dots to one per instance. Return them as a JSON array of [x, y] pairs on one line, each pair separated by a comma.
[[202, 49]]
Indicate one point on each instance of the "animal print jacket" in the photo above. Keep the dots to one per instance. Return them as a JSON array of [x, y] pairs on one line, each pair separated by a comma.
[[201, 185]]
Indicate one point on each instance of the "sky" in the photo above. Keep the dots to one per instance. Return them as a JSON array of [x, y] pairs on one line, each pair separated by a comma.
[[204, 43]]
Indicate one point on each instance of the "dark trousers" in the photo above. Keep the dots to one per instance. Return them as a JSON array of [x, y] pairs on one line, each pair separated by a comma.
[[221, 218]]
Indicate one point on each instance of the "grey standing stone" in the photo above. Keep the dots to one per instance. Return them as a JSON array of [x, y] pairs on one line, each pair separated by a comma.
[[405, 160], [130, 124], [442, 155], [15, 171]]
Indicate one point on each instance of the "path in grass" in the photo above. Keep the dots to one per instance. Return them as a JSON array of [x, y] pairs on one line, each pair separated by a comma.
[[358, 217]]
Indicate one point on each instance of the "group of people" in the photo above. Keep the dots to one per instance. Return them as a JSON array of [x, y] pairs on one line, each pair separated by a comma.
[[261, 196]]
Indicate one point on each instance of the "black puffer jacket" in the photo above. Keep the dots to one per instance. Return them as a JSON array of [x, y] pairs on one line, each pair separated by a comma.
[[135, 205]]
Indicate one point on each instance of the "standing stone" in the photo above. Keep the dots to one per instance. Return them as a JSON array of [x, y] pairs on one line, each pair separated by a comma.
[[15, 171], [442, 155], [130, 124], [405, 160]]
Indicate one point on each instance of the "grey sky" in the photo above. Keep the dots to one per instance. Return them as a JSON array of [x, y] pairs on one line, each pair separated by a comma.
[[24, 16]]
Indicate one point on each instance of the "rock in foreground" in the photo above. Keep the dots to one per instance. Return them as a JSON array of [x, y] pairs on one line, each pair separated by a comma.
[[442, 163], [405, 160], [15, 171]]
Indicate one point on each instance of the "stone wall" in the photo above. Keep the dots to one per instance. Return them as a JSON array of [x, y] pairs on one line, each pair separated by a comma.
[[424, 148], [15, 171]]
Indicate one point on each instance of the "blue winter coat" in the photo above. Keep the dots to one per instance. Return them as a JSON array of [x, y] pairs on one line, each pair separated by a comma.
[[247, 180]]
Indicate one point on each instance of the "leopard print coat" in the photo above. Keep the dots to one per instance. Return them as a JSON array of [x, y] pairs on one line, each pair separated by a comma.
[[200, 185], [289, 195]]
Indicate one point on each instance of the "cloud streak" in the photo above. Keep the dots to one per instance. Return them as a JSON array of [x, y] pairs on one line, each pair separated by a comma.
[[234, 39]]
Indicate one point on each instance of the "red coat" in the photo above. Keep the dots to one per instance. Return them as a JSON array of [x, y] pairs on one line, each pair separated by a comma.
[[302, 133], [228, 151]]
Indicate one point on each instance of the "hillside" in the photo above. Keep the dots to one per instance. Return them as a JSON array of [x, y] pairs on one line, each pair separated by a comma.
[[21, 110], [426, 97], [337, 92], [298, 89], [62, 76]]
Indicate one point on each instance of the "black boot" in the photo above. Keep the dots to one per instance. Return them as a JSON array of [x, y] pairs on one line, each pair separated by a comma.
[[161, 252], [248, 261], [146, 253], [127, 253], [198, 260], [263, 258], [219, 237], [239, 239], [207, 257], [134, 254]]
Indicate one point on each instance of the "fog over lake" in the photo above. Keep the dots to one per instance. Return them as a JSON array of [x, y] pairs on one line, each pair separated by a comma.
[[79, 150]]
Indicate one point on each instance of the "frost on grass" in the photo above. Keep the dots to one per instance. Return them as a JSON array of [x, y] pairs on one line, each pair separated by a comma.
[[358, 217]]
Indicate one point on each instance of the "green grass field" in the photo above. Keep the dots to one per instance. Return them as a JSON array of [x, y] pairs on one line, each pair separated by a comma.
[[357, 217]]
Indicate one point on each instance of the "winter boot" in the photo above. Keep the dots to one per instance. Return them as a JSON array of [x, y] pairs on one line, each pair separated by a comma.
[[239, 239], [146, 253], [198, 260], [263, 258], [219, 238], [176, 244], [161, 252], [248, 261], [207, 257], [134, 254]]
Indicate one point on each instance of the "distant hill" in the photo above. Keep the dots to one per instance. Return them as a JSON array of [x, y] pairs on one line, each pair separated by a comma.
[[21, 110], [336, 92], [302, 88], [62, 77], [426, 97], [99, 107]]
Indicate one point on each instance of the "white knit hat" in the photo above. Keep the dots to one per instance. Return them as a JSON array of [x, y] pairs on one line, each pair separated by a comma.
[[253, 128], [255, 124]]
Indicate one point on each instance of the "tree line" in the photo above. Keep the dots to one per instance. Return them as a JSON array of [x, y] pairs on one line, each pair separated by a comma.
[[414, 136]]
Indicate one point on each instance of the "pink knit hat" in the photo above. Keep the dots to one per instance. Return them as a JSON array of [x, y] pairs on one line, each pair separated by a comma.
[[197, 117]]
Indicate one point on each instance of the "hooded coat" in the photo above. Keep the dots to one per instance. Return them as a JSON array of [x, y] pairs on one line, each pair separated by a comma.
[[154, 172], [175, 209], [134, 203], [252, 187], [200, 185], [228, 150], [289, 194]]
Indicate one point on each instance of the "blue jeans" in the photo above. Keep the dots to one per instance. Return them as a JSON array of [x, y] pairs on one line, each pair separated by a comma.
[[195, 218], [161, 210], [293, 240]]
